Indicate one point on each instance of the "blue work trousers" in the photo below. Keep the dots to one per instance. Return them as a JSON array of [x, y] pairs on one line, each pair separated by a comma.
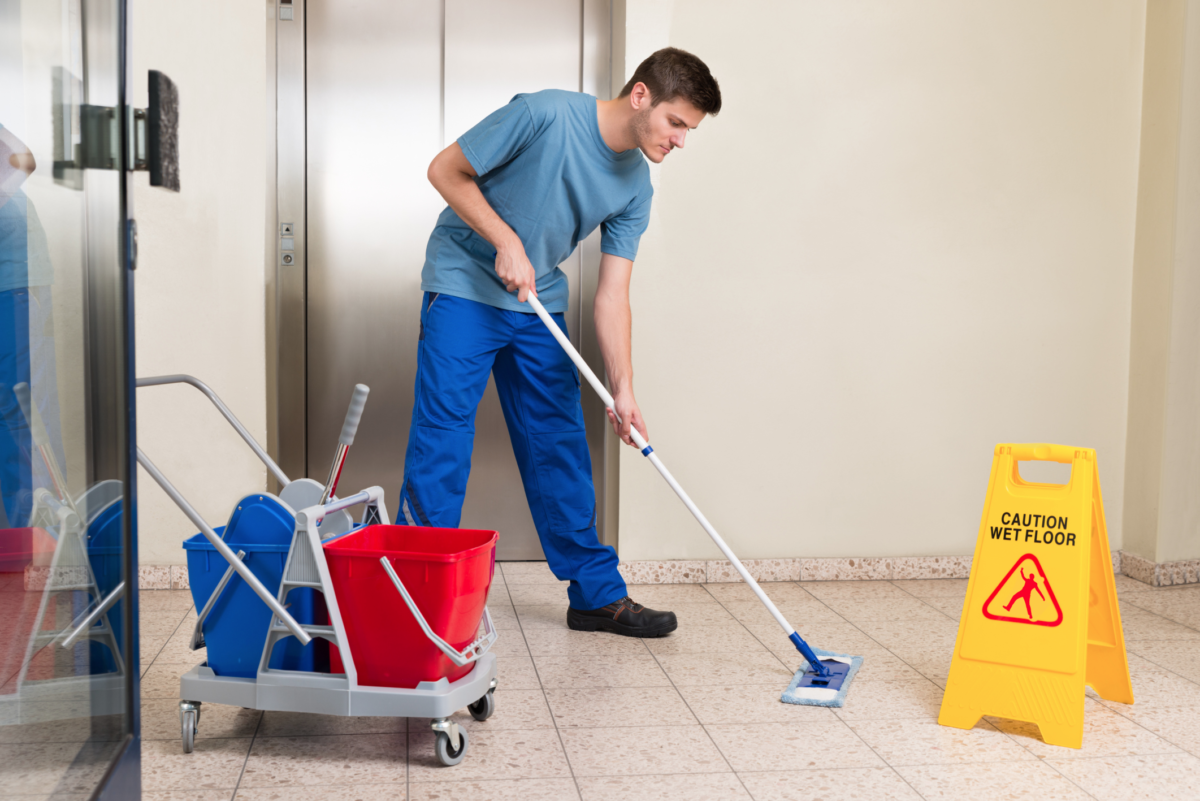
[[462, 341]]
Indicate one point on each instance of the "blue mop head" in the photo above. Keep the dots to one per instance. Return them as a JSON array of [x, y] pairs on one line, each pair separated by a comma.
[[801, 691]]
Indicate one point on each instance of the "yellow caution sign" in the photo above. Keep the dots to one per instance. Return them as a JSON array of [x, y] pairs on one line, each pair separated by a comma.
[[1041, 618]]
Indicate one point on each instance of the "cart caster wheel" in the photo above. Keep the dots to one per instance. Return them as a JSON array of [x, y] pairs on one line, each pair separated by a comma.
[[445, 754], [484, 708], [188, 720]]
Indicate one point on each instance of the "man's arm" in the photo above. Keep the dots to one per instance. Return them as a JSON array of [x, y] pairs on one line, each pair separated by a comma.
[[613, 330], [17, 165], [454, 178]]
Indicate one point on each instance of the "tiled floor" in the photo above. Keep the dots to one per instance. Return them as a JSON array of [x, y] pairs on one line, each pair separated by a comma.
[[697, 715]]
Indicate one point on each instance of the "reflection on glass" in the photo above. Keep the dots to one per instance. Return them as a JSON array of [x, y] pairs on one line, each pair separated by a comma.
[[62, 663]]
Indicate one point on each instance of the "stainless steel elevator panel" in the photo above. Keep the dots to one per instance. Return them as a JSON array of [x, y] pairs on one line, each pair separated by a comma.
[[388, 85]]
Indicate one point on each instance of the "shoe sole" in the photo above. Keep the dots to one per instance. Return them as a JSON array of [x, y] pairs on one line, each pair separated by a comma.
[[589, 623]]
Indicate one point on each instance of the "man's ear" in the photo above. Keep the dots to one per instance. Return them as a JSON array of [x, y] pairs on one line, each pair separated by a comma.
[[639, 96]]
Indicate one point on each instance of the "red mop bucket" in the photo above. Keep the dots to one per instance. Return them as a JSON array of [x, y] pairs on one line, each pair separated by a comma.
[[447, 571]]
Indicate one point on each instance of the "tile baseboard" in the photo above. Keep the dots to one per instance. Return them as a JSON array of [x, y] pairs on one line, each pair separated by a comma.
[[1160, 574], [719, 571]]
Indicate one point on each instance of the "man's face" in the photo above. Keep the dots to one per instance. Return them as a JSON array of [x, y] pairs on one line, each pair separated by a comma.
[[662, 128]]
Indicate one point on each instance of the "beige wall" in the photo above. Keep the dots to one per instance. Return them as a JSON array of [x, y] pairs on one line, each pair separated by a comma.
[[1162, 519], [907, 237], [200, 272]]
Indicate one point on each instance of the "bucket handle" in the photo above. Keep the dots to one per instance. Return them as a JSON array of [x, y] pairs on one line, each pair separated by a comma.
[[460, 658], [197, 641]]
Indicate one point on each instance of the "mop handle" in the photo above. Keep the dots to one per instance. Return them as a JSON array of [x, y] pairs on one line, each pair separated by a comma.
[[649, 453]]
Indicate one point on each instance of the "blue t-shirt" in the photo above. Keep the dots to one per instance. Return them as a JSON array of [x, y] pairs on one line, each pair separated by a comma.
[[545, 169]]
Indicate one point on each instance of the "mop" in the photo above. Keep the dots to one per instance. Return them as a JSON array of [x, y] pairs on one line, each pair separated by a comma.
[[825, 676]]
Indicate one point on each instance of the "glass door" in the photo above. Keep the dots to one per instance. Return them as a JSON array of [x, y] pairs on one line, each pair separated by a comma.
[[68, 617]]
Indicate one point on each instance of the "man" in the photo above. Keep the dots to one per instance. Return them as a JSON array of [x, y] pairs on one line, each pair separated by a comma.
[[523, 187], [26, 335]]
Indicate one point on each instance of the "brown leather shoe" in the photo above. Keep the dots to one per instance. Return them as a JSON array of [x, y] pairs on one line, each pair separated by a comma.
[[624, 617]]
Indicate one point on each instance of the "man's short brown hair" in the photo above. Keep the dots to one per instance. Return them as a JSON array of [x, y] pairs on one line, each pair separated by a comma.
[[672, 73]]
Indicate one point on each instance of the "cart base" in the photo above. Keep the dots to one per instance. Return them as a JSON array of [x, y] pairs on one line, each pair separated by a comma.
[[331, 694]]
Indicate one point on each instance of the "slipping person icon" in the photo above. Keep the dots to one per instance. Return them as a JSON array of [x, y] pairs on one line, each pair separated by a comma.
[[1026, 592]]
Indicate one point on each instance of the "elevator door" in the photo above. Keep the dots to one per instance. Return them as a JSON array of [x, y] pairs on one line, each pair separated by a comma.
[[388, 85]]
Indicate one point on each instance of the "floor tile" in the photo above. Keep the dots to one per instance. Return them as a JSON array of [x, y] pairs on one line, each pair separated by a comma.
[[665, 596], [29, 768], [504, 790], [922, 634], [214, 764], [165, 599], [515, 709], [767, 746], [859, 784], [733, 638], [594, 707], [564, 642], [924, 742], [991, 780], [527, 573], [345, 759], [516, 673], [162, 681], [542, 616], [160, 720], [701, 787], [1185, 611], [891, 700], [539, 594], [600, 671], [1180, 657], [841, 638], [950, 607], [504, 618], [934, 668], [1125, 585], [1130, 778], [149, 648], [623, 751], [853, 590], [162, 624], [759, 703], [49, 722], [797, 612], [1179, 726], [702, 614], [510, 643], [1156, 686], [328, 792], [1141, 625], [1105, 733], [723, 669], [307, 724], [934, 588], [524, 754], [884, 666], [184, 795], [777, 591], [907, 608], [177, 651]]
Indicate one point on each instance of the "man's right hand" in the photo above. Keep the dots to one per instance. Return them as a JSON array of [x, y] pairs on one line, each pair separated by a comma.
[[514, 269]]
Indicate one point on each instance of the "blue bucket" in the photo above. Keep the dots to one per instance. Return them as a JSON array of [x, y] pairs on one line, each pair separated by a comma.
[[236, 628], [106, 556]]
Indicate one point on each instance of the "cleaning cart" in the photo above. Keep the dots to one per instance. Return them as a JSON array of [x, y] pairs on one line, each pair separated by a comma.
[[396, 600]]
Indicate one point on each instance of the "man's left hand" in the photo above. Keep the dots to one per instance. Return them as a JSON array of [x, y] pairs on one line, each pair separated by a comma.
[[630, 415]]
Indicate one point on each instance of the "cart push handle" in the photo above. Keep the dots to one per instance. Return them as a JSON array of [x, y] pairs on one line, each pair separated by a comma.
[[160, 380], [224, 550], [464, 657], [354, 414]]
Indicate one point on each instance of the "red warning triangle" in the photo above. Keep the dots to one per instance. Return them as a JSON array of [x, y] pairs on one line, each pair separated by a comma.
[[1024, 596]]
